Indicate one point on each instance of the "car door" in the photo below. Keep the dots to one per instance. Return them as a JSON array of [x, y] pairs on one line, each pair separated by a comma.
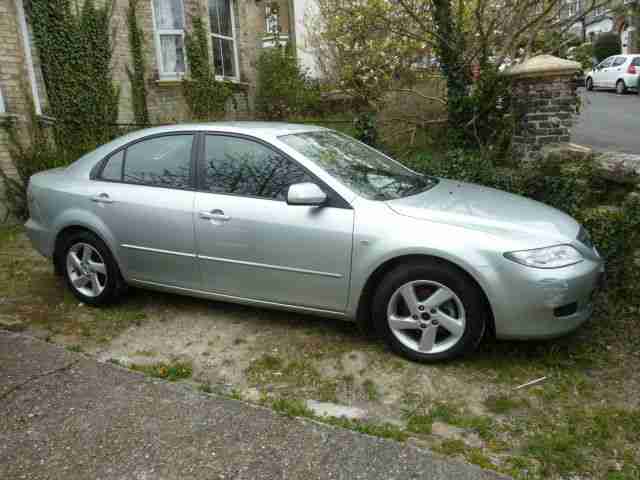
[[601, 71], [252, 244], [144, 195]]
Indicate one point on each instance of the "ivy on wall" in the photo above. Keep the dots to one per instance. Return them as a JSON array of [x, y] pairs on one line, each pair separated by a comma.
[[137, 72], [205, 96], [75, 51]]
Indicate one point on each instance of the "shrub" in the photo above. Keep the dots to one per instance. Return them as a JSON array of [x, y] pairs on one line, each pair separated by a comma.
[[284, 89], [584, 54], [606, 44], [30, 154], [571, 186]]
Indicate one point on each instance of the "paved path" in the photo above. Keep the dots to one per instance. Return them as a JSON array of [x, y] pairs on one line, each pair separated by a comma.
[[609, 122], [65, 416]]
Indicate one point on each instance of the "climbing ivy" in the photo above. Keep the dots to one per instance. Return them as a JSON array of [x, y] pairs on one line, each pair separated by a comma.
[[136, 74], [75, 52], [205, 96]]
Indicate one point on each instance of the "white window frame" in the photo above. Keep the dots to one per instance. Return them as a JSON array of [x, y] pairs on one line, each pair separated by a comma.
[[28, 55], [2, 106], [233, 38], [159, 32]]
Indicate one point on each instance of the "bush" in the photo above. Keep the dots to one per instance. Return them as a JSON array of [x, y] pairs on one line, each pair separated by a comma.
[[584, 54], [284, 89], [28, 157], [571, 186], [606, 44]]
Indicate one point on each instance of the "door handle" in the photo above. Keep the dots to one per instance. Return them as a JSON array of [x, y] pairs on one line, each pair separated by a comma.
[[217, 215], [101, 198]]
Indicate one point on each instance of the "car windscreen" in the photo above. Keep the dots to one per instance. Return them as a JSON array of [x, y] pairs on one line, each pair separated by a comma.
[[362, 169]]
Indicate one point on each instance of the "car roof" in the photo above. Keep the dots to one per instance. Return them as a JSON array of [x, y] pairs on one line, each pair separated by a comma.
[[263, 130], [257, 129]]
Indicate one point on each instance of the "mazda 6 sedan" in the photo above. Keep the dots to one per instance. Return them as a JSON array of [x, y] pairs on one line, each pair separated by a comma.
[[307, 219]]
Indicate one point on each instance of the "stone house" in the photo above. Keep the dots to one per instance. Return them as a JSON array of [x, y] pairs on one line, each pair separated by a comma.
[[238, 29]]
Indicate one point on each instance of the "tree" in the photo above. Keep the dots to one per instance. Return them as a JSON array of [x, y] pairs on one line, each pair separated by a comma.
[[606, 44], [375, 42]]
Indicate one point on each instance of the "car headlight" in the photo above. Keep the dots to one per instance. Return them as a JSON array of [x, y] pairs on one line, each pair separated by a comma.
[[549, 257]]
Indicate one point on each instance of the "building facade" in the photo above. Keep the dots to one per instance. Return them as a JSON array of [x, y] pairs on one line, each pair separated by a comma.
[[238, 30]]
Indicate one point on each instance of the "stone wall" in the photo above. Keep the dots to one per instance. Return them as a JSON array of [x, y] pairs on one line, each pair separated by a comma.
[[545, 104]]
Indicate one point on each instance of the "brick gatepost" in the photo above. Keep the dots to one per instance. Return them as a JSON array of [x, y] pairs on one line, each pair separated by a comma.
[[545, 104]]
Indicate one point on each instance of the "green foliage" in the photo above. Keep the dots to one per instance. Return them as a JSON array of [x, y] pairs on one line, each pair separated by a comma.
[[583, 54], [606, 44], [365, 128], [75, 50], [205, 96], [167, 371], [136, 74], [31, 151], [284, 89], [570, 185]]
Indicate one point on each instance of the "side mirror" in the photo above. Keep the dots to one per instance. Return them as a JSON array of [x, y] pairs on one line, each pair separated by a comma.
[[306, 194]]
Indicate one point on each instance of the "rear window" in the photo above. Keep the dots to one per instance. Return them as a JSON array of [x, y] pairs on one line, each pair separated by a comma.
[[636, 62]]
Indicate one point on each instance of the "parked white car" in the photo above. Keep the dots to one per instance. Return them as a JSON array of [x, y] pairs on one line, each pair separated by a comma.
[[619, 72]]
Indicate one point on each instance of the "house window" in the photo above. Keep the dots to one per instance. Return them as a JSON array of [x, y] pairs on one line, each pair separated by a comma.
[[225, 55], [168, 16], [2, 107]]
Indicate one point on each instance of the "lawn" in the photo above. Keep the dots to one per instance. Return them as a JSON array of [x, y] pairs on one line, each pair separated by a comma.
[[582, 421]]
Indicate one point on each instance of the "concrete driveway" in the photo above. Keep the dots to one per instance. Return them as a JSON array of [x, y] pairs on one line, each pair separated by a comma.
[[609, 122], [65, 416]]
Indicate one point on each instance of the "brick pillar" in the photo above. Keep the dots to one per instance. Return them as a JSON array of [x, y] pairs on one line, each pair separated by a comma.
[[545, 104]]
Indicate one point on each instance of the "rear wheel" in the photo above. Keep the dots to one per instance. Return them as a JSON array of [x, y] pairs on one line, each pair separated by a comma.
[[429, 312], [621, 88], [589, 84], [90, 270]]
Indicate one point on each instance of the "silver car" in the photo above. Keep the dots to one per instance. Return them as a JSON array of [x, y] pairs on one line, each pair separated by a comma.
[[309, 220]]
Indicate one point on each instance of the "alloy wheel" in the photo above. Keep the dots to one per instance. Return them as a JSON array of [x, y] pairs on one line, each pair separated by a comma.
[[426, 316], [86, 270]]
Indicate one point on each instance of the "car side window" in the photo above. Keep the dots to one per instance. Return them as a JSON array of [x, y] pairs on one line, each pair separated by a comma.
[[160, 161], [606, 63], [113, 168], [238, 166], [619, 61]]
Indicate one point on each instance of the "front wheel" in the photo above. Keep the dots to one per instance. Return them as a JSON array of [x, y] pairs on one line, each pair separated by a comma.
[[429, 312], [590, 84], [621, 88]]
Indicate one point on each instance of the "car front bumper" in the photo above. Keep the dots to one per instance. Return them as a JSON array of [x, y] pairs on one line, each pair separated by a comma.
[[530, 303]]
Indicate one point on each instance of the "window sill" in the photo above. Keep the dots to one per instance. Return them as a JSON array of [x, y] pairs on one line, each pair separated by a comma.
[[169, 82]]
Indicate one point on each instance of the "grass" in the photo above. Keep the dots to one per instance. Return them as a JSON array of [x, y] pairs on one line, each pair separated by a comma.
[[167, 371], [583, 421]]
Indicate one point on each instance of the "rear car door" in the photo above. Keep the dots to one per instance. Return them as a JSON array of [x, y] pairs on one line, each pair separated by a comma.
[[144, 195], [252, 244]]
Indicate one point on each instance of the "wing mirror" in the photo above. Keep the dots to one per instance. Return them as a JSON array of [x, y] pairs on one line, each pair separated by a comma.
[[306, 194]]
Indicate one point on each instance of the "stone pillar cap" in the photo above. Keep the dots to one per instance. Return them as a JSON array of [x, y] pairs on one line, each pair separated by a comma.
[[544, 66]]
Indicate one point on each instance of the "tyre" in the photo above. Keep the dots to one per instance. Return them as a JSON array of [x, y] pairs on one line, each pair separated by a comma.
[[90, 270], [429, 312], [621, 88], [589, 84]]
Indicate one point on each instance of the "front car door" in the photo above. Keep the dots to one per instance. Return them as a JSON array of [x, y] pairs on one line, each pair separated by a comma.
[[600, 73], [252, 244], [144, 195]]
